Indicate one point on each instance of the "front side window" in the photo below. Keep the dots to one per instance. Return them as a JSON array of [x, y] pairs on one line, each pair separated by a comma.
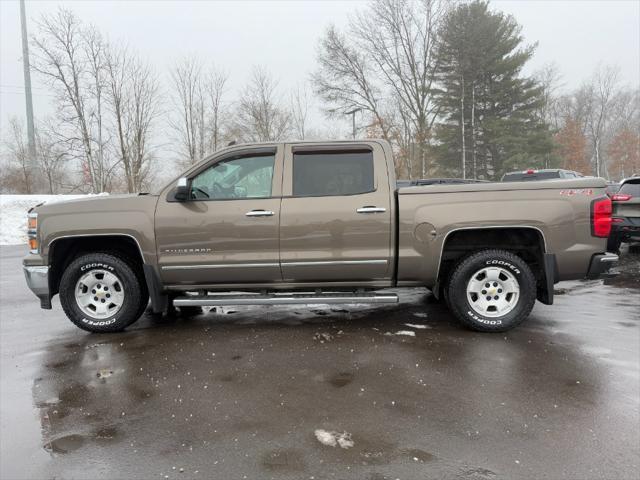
[[331, 173], [244, 177]]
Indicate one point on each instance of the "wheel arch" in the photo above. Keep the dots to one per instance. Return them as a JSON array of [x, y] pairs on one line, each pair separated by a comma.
[[62, 250], [528, 242]]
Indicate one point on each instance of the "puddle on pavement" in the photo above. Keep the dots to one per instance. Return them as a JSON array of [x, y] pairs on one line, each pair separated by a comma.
[[65, 444], [283, 460], [341, 379]]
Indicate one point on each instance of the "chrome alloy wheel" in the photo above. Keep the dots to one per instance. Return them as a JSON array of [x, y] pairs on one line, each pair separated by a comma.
[[493, 292], [99, 294]]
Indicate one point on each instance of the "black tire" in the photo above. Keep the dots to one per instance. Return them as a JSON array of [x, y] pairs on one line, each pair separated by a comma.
[[463, 272], [136, 296], [613, 243]]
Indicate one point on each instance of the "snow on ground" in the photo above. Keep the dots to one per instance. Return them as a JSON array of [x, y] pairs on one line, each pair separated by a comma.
[[13, 215], [417, 325], [332, 439], [408, 333]]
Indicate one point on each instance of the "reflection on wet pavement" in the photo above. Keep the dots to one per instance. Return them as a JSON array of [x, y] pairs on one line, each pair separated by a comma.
[[240, 395]]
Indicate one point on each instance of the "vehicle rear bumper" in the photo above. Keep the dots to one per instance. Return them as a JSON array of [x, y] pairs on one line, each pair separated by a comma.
[[600, 265], [626, 228], [38, 281]]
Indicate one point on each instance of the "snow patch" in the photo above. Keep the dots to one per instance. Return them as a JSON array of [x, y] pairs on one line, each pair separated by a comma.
[[417, 325], [13, 215], [420, 314], [333, 439], [408, 333]]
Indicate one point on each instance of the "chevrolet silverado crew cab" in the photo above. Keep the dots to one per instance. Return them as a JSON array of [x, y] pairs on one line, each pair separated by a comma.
[[280, 223]]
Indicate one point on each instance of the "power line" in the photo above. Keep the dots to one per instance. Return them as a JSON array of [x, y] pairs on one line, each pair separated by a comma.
[[22, 87], [22, 93]]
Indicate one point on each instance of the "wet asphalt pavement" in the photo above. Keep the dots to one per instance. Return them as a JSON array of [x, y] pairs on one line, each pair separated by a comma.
[[240, 393]]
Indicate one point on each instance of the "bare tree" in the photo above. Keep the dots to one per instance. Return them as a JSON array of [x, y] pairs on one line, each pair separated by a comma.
[[214, 92], [626, 111], [386, 66], [19, 166], [51, 157], [95, 49], [549, 80], [601, 93], [49, 174], [189, 123], [134, 100], [345, 80], [399, 37], [71, 58], [300, 100], [261, 117]]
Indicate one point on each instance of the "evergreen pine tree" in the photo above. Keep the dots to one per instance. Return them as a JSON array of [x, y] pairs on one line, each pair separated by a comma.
[[489, 110]]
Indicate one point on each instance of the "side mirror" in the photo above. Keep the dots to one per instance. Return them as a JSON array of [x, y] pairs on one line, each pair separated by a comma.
[[181, 192]]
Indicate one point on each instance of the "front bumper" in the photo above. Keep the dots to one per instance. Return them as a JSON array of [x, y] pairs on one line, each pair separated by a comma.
[[38, 281], [600, 265]]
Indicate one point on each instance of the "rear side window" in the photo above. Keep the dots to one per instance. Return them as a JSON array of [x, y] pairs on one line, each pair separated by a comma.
[[631, 188], [330, 173]]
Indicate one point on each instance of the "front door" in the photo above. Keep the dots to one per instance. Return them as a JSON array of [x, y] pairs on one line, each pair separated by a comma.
[[226, 232], [335, 221]]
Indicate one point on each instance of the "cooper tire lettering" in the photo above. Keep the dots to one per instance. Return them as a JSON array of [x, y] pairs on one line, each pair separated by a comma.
[[502, 263], [96, 265]]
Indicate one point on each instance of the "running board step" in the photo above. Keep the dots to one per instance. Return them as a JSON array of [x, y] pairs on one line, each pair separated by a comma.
[[281, 299]]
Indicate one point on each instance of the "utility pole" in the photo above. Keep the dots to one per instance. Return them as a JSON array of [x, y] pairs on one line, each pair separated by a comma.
[[31, 137], [353, 120]]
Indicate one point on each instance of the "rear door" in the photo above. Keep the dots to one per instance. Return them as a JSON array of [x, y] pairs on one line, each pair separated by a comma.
[[335, 220], [227, 231]]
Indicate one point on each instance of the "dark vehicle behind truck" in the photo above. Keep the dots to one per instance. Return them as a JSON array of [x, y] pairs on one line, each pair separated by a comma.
[[546, 174], [421, 182], [625, 224]]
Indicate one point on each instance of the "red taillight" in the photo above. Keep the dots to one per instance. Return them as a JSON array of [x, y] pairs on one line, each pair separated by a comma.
[[530, 171], [621, 198], [601, 217]]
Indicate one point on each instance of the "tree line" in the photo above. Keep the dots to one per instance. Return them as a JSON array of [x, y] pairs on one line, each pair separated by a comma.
[[442, 81]]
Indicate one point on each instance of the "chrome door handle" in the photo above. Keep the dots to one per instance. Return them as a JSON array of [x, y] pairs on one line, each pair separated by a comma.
[[370, 209], [259, 213]]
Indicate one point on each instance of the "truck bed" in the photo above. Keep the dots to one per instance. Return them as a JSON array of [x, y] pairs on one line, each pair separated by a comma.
[[558, 210]]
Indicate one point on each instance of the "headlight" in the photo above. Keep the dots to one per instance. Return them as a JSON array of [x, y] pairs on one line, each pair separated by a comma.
[[32, 232]]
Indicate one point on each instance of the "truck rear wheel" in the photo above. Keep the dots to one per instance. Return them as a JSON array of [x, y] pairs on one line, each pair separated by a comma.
[[491, 291], [103, 292]]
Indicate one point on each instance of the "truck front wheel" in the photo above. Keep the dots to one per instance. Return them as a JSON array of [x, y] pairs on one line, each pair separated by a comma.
[[491, 291], [103, 292]]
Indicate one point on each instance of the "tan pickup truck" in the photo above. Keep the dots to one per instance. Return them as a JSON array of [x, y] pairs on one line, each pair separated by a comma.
[[281, 223]]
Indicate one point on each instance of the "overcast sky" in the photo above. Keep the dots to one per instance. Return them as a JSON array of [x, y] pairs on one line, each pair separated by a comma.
[[283, 36]]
